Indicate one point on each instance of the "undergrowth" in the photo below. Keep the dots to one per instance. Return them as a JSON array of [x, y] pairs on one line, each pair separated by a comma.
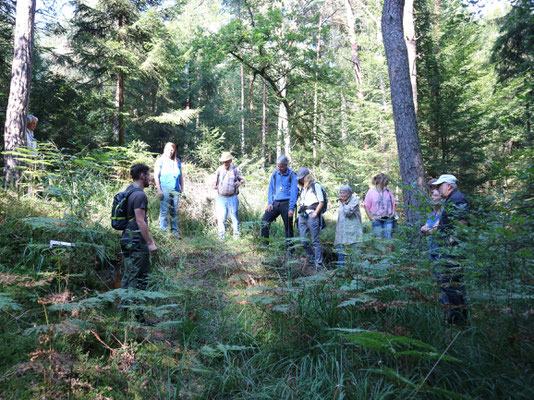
[[231, 321]]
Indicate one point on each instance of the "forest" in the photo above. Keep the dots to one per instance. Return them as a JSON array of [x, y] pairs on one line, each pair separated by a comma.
[[348, 89]]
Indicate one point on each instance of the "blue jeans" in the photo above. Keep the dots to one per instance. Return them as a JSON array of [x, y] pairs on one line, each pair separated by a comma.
[[383, 228], [169, 204], [341, 255], [313, 226], [223, 207]]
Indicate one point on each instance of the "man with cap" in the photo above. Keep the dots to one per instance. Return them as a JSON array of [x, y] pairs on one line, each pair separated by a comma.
[[281, 198], [449, 276], [227, 181]]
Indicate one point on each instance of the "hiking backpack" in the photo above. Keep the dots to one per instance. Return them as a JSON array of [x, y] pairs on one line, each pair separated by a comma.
[[119, 209], [325, 197]]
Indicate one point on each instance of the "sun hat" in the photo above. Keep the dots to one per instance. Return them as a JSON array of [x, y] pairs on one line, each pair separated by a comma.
[[446, 178], [226, 156], [302, 172]]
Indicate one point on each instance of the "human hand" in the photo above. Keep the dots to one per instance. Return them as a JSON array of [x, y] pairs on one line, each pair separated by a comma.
[[160, 195], [290, 213], [269, 208], [314, 215], [152, 248]]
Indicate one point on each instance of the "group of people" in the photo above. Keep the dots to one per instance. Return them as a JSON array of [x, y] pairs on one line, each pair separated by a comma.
[[290, 192]]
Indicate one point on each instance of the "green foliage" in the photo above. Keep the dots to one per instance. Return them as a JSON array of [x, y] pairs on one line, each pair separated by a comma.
[[210, 148]]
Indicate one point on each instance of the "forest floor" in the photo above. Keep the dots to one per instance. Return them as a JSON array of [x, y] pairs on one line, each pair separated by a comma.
[[229, 320]]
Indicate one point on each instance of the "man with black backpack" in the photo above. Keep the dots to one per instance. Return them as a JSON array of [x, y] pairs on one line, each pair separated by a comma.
[[282, 198], [136, 242]]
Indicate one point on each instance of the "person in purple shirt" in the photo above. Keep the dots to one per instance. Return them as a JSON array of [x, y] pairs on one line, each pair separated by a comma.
[[281, 198]]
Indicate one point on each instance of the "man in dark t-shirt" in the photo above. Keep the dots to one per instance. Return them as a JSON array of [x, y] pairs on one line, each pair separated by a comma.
[[136, 242], [449, 275]]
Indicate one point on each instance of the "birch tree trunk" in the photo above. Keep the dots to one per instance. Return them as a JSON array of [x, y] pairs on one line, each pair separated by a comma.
[[409, 149], [411, 45], [19, 90]]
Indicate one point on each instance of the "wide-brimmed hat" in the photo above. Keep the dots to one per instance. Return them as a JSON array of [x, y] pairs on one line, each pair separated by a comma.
[[226, 156], [302, 172], [446, 178]]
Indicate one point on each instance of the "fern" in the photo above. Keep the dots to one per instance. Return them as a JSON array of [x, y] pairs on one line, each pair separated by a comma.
[[6, 303]]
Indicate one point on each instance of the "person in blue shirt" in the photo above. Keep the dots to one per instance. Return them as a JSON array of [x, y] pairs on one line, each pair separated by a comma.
[[282, 198], [170, 184]]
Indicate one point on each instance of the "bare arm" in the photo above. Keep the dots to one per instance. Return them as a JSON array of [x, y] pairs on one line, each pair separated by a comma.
[[318, 209], [143, 228]]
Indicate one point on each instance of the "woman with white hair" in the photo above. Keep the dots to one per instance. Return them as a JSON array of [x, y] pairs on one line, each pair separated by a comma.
[[349, 223]]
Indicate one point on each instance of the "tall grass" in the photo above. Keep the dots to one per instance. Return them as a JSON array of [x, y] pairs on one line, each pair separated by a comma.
[[231, 321]]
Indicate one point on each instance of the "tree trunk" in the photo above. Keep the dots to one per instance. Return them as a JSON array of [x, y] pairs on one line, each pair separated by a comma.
[[19, 91], [251, 93], [356, 67], [316, 89], [118, 119], [283, 122], [264, 124], [411, 45], [344, 133], [242, 110], [409, 149], [120, 104]]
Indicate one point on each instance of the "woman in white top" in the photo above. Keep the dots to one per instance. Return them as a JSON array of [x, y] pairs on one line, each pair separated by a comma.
[[310, 219], [349, 223], [170, 183]]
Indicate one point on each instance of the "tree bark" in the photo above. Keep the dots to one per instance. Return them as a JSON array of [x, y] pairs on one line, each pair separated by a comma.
[[264, 124], [355, 57], [344, 133], [411, 45], [242, 110], [19, 91], [283, 122], [409, 149], [118, 119], [316, 88]]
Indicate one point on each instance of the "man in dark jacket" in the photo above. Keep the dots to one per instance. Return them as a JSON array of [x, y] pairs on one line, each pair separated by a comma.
[[449, 274]]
